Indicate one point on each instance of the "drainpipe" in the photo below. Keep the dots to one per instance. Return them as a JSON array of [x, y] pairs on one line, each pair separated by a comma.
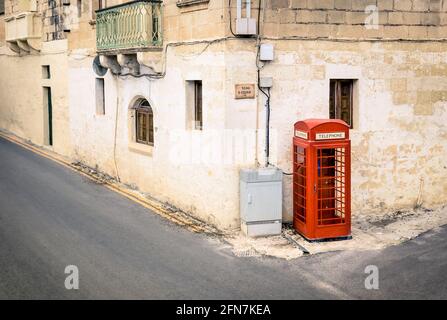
[[267, 129]]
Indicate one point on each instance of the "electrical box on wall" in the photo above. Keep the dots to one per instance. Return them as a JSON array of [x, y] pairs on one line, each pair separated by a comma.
[[245, 26], [266, 82], [266, 52], [261, 201]]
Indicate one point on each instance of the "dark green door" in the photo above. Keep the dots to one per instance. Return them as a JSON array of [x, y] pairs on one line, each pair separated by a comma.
[[50, 118], [48, 114]]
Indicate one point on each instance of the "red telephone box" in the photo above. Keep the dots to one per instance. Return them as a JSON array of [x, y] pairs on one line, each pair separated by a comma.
[[322, 179]]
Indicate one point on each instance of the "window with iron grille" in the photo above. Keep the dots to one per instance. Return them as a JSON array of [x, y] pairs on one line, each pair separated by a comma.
[[144, 125], [341, 100]]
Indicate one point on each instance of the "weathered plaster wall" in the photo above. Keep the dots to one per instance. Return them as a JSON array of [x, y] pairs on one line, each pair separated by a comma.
[[172, 171], [21, 92], [19, 111]]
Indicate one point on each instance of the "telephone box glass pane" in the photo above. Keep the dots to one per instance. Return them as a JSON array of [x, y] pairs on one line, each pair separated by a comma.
[[300, 183], [331, 186]]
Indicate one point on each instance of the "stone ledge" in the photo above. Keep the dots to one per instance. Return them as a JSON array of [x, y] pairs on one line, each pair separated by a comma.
[[144, 149], [186, 3], [130, 50]]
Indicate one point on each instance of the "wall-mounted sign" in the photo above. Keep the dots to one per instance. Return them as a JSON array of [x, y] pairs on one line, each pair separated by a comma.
[[245, 91], [330, 135], [301, 134]]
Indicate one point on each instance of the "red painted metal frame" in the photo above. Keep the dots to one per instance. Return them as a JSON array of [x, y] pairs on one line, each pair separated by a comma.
[[310, 228]]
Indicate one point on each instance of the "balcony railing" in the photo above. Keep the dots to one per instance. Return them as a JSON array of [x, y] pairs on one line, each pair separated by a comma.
[[132, 25]]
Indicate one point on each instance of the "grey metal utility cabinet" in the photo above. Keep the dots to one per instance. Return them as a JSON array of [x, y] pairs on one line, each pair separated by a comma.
[[261, 201]]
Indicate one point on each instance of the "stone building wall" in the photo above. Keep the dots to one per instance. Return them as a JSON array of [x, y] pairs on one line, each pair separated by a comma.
[[399, 136], [395, 19], [53, 20]]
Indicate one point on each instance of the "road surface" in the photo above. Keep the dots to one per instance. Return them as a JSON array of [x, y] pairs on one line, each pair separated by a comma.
[[52, 217]]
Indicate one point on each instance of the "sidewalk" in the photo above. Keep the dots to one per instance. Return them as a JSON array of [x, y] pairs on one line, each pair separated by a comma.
[[369, 232]]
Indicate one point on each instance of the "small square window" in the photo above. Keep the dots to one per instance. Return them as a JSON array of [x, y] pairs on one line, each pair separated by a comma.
[[46, 72]]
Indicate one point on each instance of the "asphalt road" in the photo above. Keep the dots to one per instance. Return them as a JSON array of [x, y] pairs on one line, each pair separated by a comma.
[[51, 217]]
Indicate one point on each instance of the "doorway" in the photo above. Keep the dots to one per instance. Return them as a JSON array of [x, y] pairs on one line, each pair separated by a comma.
[[48, 116]]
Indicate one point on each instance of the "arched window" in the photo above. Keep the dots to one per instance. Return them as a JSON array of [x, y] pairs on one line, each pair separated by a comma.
[[144, 125]]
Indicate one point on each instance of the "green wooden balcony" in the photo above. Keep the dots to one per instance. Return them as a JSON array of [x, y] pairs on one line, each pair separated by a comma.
[[132, 26]]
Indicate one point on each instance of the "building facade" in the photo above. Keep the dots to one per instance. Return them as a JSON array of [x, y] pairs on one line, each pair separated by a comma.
[[171, 96]]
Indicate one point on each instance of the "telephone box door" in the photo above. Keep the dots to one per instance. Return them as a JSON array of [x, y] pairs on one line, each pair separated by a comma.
[[332, 189]]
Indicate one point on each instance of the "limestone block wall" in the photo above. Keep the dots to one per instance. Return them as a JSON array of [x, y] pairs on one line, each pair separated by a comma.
[[399, 140], [16, 6], [204, 20], [81, 22], [53, 20], [377, 19], [53, 15]]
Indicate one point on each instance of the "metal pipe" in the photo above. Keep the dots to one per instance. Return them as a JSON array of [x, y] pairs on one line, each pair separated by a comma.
[[267, 129]]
